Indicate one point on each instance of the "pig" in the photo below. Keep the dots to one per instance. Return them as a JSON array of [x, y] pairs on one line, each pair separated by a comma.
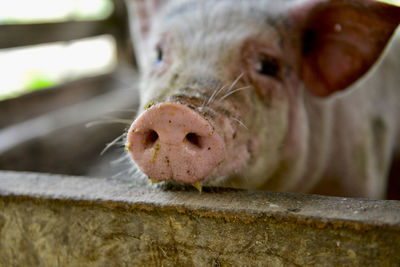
[[296, 96]]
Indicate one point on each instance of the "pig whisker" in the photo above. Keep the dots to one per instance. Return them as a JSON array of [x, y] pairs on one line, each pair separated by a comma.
[[125, 110], [236, 81], [125, 157], [108, 120], [139, 175], [213, 95], [117, 120], [112, 143], [94, 123], [133, 171], [117, 175], [240, 122], [233, 91], [218, 91]]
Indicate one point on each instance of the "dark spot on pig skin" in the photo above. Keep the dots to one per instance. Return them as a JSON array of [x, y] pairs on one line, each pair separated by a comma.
[[271, 21], [174, 79], [166, 161]]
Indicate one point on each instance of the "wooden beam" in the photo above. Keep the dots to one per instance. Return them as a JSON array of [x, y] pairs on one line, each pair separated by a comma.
[[32, 34], [39, 102], [60, 142], [48, 220]]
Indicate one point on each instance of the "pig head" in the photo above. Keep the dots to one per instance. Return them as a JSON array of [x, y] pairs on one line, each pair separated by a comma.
[[263, 94]]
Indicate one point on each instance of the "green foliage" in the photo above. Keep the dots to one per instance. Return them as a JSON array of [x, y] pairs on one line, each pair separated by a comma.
[[39, 82], [35, 81]]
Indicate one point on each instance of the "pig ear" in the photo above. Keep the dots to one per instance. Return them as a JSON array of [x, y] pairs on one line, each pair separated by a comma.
[[341, 40], [142, 12]]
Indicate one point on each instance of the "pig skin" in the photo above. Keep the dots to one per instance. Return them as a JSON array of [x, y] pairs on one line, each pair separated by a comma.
[[284, 131]]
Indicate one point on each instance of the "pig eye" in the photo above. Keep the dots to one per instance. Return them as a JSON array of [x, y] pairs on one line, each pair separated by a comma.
[[159, 55], [268, 66]]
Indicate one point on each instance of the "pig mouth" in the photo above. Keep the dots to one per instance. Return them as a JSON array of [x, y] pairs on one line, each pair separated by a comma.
[[173, 142]]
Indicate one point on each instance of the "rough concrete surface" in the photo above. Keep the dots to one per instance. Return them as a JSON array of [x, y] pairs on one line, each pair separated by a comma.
[[52, 220]]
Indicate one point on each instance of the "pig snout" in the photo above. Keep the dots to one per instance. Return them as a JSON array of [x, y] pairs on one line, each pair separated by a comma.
[[172, 141]]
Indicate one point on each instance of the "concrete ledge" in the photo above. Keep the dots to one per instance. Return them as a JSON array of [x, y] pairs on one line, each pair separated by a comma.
[[49, 220]]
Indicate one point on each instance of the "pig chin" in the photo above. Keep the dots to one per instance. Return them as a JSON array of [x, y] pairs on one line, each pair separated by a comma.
[[171, 141]]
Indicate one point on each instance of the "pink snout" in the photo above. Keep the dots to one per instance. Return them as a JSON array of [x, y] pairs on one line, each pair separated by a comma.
[[172, 141]]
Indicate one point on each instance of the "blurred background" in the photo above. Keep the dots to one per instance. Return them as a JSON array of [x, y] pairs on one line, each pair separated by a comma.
[[67, 84], [34, 67], [39, 66]]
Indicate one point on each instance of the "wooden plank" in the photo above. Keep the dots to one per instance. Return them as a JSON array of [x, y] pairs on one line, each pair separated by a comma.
[[59, 141], [39, 102], [48, 220], [14, 35]]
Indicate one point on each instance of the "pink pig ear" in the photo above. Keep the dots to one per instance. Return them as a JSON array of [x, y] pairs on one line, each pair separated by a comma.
[[142, 12], [341, 40]]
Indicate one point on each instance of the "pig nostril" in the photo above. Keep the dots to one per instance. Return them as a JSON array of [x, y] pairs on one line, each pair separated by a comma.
[[194, 139], [150, 138]]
